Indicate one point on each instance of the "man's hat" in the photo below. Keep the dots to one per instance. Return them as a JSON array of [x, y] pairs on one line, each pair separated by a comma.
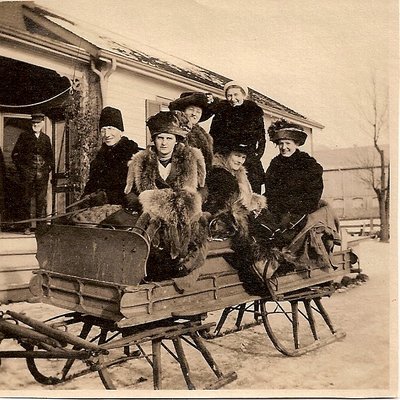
[[37, 117], [111, 117], [173, 122], [236, 84], [282, 129], [197, 99]]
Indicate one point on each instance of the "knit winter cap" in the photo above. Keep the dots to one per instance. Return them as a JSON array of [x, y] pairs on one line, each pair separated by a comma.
[[111, 117], [238, 84]]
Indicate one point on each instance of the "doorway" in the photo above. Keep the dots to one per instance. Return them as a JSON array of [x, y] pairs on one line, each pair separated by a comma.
[[28, 89]]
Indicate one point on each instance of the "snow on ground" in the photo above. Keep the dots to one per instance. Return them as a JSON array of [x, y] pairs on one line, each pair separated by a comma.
[[362, 364]]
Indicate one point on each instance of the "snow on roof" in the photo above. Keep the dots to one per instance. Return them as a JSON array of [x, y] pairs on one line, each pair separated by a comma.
[[134, 50], [350, 157]]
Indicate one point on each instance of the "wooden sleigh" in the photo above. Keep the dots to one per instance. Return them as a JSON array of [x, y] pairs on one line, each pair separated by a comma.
[[96, 274]]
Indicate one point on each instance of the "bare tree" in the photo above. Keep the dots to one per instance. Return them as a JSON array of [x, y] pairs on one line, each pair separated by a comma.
[[374, 119]]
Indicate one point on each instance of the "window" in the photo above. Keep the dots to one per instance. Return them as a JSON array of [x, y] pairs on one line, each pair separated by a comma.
[[374, 202], [358, 203], [338, 205], [152, 108]]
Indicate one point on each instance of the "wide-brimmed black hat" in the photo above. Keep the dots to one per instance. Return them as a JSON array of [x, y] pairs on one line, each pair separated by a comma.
[[37, 117], [236, 146], [173, 122], [197, 99], [282, 129], [111, 116]]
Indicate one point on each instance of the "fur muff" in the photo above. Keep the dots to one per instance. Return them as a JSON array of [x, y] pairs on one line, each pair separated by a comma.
[[188, 170], [179, 212]]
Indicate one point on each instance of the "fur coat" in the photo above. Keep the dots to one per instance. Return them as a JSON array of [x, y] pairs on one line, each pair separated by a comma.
[[241, 124], [230, 191], [176, 201], [199, 138], [293, 184]]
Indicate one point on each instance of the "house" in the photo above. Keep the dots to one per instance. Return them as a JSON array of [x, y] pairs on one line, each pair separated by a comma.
[[347, 172], [69, 71]]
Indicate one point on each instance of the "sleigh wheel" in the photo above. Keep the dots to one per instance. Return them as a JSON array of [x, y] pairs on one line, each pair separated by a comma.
[[298, 326]]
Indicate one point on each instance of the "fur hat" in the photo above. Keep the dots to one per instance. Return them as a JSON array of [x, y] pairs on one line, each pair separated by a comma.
[[174, 122], [197, 99], [37, 117], [111, 117], [282, 129], [238, 84]]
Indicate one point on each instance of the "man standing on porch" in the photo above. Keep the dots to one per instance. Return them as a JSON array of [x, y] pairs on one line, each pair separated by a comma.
[[33, 158]]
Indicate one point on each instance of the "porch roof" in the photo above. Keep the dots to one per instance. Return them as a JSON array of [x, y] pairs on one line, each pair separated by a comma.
[[45, 22]]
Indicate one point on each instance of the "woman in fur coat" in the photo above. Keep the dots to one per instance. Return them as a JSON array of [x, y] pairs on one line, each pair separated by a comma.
[[293, 180], [167, 177], [229, 190], [195, 107], [234, 208], [240, 120]]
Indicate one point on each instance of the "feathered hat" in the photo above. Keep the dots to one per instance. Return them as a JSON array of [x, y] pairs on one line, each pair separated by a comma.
[[282, 129], [197, 99]]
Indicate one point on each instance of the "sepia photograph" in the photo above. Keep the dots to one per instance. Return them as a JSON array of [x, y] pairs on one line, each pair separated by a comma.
[[198, 198]]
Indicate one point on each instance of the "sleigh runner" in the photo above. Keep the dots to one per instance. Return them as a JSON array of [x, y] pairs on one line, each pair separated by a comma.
[[96, 272]]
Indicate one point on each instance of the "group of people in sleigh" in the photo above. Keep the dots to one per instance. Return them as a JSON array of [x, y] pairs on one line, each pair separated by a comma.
[[189, 186]]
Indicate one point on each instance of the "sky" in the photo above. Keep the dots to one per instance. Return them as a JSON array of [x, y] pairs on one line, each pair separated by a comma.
[[314, 56]]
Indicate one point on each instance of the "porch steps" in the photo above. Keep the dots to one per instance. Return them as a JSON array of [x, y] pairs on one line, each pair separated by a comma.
[[17, 261]]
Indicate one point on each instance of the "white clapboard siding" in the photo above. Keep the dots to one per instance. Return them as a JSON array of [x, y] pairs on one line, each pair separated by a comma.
[[129, 93], [17, 262]]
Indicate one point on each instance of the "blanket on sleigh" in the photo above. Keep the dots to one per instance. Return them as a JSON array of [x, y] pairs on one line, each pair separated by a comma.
[[311, 248]]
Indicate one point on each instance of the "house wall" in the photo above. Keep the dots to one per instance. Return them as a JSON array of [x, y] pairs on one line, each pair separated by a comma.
[[349, 195]]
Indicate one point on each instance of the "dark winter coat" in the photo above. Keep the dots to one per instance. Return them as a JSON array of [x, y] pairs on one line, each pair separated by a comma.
[[293, 184], [241, 124], [109, 169], [244, 124], [32, 155]]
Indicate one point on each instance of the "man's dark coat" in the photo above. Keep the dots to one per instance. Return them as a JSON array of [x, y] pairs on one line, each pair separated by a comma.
[[109, 169]]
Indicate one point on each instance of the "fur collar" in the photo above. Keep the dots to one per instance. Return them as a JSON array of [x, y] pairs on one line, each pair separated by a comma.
[[251, 201], [188, 170]]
